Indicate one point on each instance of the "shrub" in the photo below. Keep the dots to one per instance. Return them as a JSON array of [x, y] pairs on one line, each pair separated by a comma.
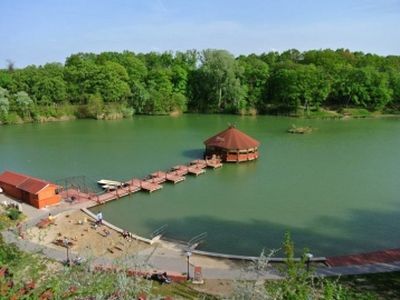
[[14, 214], [127, 112]]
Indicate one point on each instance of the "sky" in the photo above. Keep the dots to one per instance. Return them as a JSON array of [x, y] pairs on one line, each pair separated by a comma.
[[42, 31]]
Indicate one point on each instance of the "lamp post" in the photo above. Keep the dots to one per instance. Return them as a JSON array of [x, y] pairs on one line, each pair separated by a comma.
[[188, 254], [66, 244], [309, 256]]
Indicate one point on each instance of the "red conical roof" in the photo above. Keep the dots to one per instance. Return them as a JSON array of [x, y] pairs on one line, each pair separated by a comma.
[[232, 139]]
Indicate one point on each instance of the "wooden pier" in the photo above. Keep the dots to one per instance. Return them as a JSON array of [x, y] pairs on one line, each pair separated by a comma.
[[196, 170], [174, 177], [113, 189], [212, 163]]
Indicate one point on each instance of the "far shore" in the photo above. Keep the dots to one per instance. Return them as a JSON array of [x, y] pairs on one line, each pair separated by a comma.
[[322, 114]]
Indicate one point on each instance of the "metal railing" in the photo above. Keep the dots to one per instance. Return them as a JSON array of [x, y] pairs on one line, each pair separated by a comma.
[[159, 231], [196, 240]]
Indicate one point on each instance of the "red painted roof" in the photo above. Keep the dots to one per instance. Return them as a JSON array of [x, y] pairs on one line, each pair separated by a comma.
[[33, 185], [12, 178], [233, 139], [23, 182]]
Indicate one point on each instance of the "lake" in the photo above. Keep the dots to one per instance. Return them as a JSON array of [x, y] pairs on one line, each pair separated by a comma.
[[337, 190]]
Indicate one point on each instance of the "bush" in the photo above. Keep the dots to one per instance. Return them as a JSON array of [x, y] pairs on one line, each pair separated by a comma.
[[13, 118], [127, 112], [14, 214], [9, 254]]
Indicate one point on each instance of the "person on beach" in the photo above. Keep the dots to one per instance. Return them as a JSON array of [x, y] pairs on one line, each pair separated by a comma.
[[50, 217], [99, 218]]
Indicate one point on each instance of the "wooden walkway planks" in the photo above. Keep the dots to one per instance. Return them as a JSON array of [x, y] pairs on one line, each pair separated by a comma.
[[150, 186], [384, 256], [195, 170], [173, 176], [115, 189], [213, 163]]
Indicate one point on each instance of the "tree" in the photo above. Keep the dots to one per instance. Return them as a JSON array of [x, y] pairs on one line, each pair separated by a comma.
[[160, 90], [394, 82], [296, 85], [111, 82], [5, 79], [363, 87], [50, 87], [254, 78], [216, 85], [213, 81], [291, 55], [94, 107], [10, 65], [24, 80], [136, 69], [4, 102], [23, 103], [139, 97], [81, 75]]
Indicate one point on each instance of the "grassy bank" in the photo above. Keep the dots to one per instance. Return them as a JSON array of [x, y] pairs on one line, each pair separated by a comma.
[[68, 112], [42, 114], [32, 276]]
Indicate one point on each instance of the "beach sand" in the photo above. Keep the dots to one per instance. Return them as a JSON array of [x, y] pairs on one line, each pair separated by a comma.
[[85, 239]]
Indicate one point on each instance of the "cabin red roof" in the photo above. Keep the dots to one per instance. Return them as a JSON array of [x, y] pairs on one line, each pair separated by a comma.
[[33, 185], [23, 182], [12, 178], [232, 138]]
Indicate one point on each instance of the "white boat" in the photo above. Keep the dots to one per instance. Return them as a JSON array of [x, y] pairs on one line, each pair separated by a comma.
[[110, 182], [109, 187]]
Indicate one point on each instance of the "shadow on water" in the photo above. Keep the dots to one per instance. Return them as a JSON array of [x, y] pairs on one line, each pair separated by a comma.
[[193, 153], [359, 233]]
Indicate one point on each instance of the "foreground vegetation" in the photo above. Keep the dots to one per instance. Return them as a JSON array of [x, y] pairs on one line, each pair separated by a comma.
[[116, 85], [31, 276]]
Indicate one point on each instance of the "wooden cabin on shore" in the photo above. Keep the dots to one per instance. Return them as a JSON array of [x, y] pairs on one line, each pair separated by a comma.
[[36, 192], [232, 145]]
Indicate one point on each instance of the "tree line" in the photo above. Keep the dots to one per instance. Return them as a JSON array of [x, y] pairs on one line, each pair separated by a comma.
[[208, 81]]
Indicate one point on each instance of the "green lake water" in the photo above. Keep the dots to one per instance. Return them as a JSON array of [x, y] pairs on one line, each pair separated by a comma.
[[337, 190]]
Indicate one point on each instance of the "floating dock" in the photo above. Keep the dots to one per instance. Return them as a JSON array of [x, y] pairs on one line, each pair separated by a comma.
[[173, 176], [116, 189]]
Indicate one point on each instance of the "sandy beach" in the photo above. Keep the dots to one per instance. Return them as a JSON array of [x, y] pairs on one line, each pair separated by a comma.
[[84, 237]]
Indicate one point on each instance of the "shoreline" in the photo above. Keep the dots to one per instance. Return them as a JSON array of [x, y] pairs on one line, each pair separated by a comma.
[[335, 115], [92, 243]]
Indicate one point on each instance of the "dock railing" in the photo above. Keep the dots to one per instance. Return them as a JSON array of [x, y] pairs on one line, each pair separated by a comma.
[[196, 240], [159, 231]]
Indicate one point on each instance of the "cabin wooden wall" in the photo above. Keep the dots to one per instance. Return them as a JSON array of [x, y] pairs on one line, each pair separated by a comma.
[[11, 190], [46, 197]]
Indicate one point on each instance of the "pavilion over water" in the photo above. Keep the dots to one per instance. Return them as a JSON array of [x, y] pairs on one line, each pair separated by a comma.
[[232, 145]]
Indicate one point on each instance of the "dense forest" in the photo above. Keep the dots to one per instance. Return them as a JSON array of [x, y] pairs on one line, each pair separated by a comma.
[[115, 85]]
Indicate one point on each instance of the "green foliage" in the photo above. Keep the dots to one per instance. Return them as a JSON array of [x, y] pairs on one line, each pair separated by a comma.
[[362, 87], [254, 78], [4, 102], [299, 282], [12, 118], [94, 107], [299, 86], [355, 112], [13, 214], [127, 112], [23, 104], [216, 85], [9, 253], [291, 82]]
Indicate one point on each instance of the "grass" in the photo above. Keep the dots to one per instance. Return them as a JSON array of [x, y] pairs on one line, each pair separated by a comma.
[[356, 112], [26, 267], [380, 285], [9, 217], [179, 291]]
